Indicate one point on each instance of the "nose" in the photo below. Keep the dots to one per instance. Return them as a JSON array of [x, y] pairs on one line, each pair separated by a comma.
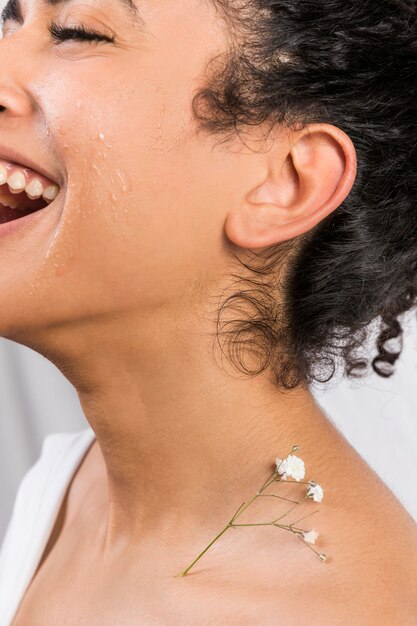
[[15, 100]]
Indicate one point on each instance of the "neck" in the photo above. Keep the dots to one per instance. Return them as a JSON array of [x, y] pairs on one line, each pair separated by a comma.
[[182, 441]]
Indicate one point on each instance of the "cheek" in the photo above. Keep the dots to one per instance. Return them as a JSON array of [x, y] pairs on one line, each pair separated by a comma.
[[139, 209]]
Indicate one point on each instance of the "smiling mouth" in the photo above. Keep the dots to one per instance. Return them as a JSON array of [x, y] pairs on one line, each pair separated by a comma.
[[23, 191]]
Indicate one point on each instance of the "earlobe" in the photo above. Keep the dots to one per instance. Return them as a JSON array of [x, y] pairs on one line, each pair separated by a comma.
[[307, 179]]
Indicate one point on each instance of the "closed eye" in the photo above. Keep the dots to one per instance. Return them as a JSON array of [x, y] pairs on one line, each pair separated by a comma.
[[62, 33]]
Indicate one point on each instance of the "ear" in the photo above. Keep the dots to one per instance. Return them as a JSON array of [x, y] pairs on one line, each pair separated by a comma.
[[303, 178]]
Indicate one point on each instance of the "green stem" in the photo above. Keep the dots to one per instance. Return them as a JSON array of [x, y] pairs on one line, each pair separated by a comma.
[[291, 509], [294, 482], [257, 494], [296, 531], [265, 485], [284, 526], [309, 546], [205, 549], [234, 516], [272, 478], [272, 495], [258, 524], [305, 516], [240, 510]]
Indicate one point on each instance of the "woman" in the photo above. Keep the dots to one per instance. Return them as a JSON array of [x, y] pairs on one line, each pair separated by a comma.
[[213, 201]]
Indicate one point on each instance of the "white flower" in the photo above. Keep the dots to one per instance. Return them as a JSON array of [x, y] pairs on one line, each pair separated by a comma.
[[291, 466], [316, 492], [310, 536], [278, 463]]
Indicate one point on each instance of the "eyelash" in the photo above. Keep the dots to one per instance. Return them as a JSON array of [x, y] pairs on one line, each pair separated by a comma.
[[61, 33]]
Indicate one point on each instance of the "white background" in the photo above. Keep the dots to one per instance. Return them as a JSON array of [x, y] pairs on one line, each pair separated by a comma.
[[378, 416]]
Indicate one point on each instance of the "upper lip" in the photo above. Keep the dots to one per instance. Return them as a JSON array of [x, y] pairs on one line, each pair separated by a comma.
[[11, 154]]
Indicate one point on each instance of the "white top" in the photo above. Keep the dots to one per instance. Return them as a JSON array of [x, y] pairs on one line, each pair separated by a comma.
[[36, 508]]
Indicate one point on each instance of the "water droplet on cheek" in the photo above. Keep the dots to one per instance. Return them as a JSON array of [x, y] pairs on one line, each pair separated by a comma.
[[102, 137], [122, 180]]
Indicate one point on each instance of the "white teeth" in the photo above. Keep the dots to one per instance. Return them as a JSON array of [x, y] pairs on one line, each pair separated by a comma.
[[5, 199], [3, 175], [34, 189], [17, 182], [51, 192], [10, 203]]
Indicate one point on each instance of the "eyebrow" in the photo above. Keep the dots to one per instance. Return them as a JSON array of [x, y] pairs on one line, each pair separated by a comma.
[[13, 9]]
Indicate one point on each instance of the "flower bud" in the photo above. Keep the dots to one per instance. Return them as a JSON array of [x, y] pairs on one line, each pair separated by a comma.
[[322, 557], [295, 449]]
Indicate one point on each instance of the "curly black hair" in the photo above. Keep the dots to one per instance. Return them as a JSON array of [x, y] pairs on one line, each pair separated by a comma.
[[353, 64]]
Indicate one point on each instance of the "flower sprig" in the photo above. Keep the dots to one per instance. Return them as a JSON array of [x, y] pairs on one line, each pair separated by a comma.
[[290, 466]]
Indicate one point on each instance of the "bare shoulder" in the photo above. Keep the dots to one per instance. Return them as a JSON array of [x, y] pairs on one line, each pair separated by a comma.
[[370, 573], [267, 576], [368, 579], [369, 576]]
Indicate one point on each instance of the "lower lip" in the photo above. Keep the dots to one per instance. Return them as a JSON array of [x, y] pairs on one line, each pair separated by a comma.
[[26, 221]]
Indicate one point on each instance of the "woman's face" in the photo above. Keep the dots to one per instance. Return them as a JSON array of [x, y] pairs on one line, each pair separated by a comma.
[[143, 198]]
